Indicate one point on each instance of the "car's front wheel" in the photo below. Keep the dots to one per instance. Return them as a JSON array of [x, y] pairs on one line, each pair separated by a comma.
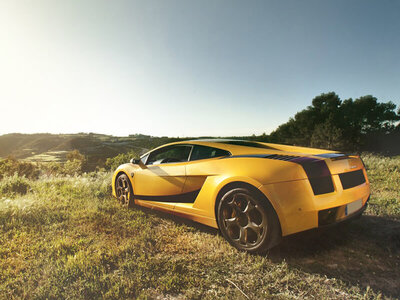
[[247, 221], [124, 191]]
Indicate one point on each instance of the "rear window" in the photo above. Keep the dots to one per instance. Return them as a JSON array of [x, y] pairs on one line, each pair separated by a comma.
[[204, 152]]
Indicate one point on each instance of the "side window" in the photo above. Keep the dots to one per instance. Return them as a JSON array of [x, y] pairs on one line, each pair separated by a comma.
[[203, 152], [169, 154]]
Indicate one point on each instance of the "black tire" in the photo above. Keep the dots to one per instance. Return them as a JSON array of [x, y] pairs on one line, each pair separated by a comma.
[[124, 191], [248, 221]]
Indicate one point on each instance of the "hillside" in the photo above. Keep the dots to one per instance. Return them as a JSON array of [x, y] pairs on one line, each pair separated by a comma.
[[44, 147]]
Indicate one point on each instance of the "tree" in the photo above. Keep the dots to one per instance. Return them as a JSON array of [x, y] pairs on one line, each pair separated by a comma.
[[335, 124], [327, 136]]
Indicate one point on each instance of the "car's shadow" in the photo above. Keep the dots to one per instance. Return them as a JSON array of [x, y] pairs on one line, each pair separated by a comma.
[[364, 252]]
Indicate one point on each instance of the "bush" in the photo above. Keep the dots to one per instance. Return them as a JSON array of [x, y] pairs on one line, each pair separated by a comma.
[[11, 166], [114, 162], [52, 168], [75, 165], [75, 155], [13, 185]]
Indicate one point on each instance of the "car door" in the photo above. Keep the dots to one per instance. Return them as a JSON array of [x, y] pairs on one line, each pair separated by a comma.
[[202, 164], [161, 179]]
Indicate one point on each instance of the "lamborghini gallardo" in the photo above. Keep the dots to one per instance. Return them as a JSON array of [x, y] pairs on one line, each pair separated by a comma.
[[254, 193]]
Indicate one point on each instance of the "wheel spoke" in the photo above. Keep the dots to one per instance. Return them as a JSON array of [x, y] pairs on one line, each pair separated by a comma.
[[257, 229], [234, 198], [250, 206], [243, 235], [231, 222], [234, 204]]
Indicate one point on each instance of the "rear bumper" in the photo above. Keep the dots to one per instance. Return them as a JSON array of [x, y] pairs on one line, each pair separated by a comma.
[[339, 219], [298, 209]]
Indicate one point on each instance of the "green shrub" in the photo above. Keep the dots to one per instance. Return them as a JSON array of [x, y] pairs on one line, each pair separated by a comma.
[[11, 166], [75, 154], [76, 164], [72, 167], [122, 158], [13, 185], [52, 168]]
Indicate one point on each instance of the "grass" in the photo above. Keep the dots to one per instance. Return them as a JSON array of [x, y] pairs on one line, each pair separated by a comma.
[[384, 173], [66, 237]]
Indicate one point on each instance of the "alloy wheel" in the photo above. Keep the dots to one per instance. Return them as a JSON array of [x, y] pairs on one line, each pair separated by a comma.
[[244, 220], [123, 190]]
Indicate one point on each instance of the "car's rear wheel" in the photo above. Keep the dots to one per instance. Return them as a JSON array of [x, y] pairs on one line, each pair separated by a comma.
[[123, 189], [247, 221]]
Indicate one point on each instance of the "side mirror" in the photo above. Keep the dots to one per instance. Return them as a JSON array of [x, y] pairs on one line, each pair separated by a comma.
[[138, 162], [134, 161]]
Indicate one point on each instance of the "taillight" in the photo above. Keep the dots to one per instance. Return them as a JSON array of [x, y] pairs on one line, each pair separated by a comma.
[[318, 174], [352, 179]]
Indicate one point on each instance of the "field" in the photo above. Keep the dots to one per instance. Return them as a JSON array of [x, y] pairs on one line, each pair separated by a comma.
[[66, 237]]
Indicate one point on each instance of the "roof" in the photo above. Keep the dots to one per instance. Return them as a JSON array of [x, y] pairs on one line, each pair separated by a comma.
[[240, 147]]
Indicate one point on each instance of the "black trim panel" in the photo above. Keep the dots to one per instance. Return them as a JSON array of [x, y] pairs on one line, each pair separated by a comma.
[[352, 179], [318, 174], [322, 185], [189, 197]]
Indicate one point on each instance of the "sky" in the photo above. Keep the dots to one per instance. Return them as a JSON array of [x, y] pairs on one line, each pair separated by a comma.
[[188, 68]]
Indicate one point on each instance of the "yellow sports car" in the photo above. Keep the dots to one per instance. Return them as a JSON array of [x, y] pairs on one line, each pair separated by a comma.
[[255, 193]]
